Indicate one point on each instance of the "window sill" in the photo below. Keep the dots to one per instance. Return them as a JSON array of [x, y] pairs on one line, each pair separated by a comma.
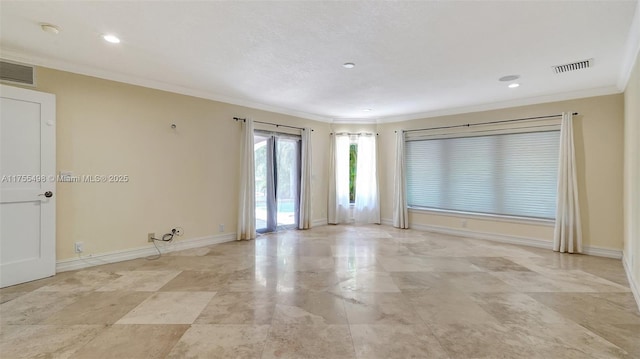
[[485, 216]]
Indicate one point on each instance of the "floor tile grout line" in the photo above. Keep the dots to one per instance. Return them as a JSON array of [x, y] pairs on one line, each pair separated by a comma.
[[423, 319], [346, 315], [266, 339], [600, 336], [433, 334]]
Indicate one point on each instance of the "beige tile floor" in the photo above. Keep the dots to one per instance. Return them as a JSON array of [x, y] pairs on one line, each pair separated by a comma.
[[330, 292]]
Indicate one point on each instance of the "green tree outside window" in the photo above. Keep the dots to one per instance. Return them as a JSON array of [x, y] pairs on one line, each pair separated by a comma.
[[353, 160]]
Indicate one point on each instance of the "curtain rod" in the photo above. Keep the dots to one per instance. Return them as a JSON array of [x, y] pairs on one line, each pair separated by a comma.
[[272, 124], [487, 123], [353, 133]]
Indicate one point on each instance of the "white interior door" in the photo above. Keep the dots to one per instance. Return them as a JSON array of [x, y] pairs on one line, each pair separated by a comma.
[[27, 190]]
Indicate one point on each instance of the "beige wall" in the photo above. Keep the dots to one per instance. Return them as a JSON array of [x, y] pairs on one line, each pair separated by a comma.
[[632, 175], [599, 155], [186, 177]]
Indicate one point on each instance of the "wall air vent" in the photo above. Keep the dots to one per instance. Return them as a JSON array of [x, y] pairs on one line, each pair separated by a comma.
[[17, 73], [573, 66]]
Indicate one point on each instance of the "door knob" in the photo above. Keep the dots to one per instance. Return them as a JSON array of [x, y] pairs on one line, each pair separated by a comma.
[[47, 194]]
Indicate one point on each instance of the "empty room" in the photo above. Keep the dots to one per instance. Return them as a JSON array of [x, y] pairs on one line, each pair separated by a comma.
[[320, 179]]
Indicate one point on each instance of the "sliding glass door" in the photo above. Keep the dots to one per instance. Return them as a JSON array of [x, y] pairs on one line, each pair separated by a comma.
[[287, 181], [277, 171], [263, 152]]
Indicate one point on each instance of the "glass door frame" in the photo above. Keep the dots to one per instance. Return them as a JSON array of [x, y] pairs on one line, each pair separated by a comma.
[[269, 211]]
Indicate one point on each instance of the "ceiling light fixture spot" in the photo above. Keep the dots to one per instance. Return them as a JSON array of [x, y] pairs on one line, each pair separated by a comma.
[[367, 110], [514, 85], [509, 78], [348, 65], [53, 29], [111, 38]]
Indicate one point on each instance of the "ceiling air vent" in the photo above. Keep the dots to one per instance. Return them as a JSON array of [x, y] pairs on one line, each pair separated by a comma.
[[17, 73], [573, 66]]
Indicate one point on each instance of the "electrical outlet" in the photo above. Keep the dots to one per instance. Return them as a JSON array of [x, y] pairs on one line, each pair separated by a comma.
[[78, 247], [150, 237], [464, 223], [221, 228]]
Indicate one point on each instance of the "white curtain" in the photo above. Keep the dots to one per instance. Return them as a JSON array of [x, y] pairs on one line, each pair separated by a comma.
[[338, 201], [332, 203], [400, 211], [367, 206], [568, 232], [247, 200], [304, 219]]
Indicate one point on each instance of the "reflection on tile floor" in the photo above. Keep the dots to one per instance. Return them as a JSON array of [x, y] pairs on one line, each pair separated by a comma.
[[331, 292]]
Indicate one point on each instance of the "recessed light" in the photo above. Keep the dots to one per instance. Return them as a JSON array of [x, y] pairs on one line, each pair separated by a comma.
[[111, 38], [348, 65], [367, 110], [514, 85], [509, 78], [50, 28]]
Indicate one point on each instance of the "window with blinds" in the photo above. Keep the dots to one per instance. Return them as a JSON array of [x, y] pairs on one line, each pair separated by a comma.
[[505, 174]]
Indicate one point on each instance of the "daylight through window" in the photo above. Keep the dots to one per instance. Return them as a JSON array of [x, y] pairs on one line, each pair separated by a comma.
[[506, 174]]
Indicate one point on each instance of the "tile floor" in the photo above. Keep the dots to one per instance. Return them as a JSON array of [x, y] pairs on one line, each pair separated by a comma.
[[330, 292]]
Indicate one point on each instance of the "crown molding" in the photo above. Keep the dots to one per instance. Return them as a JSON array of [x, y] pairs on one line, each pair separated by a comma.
[[355, 121], [632, 50], [18, 56], [599, 91]]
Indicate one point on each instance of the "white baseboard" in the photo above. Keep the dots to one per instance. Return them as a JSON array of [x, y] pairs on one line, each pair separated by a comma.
[[602, 252], [140, 252], [386, 221], [319, 222], [632, 283], [524, 241]]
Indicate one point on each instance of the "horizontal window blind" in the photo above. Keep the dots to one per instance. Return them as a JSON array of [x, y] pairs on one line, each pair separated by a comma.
[[507, 174]]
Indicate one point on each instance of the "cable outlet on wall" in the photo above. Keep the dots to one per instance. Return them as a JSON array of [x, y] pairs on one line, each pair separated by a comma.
[[464, 223], [78, 247], [150, 237], [221, 227]]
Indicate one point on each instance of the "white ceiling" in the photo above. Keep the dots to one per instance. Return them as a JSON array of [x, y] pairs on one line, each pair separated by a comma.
[[412, 59]]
